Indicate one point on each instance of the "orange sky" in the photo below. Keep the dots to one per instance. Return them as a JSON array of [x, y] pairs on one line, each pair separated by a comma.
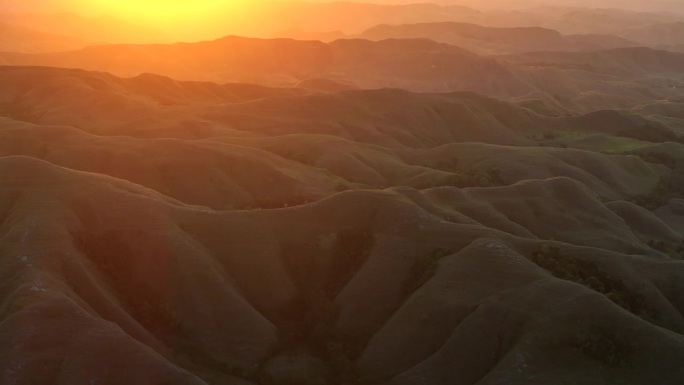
[[182, 19], [159, 11], [168, 14], [194, 20]]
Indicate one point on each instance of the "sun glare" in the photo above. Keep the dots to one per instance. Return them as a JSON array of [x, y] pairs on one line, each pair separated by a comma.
[[181, 19], [166, 11]]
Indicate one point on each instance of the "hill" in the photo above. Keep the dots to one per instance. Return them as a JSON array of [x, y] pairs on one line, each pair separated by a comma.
[[19, 39], [488, 40], [658, 35], [632, 62], [557, 82], [92, 273], [166, 231], [425, 65]]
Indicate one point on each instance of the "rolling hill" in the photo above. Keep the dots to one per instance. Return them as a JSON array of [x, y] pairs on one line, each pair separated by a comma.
[[92, 273], [395, 212]]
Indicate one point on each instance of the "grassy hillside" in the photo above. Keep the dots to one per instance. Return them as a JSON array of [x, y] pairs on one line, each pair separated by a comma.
[[185, 232]]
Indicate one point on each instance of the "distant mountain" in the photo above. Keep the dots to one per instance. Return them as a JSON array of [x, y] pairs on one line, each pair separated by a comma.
[[488, 40], [417, 64], [299, 19], [20, 39], [627, 62], [319, 20], [423, 65], [657, 35], [590, 20], [230, 59], [562, 80]]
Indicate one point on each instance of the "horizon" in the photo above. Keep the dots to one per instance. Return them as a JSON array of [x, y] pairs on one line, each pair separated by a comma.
[[212, 19]]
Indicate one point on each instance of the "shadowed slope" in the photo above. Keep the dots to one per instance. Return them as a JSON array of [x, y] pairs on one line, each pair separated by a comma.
[[107, 250]]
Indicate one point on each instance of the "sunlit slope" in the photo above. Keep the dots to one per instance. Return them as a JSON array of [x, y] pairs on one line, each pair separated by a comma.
[[236, 294], [413, 64], [563, 81], [155, 106]]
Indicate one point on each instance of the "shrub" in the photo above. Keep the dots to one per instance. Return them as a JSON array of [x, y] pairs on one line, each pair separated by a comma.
[[589, 274]]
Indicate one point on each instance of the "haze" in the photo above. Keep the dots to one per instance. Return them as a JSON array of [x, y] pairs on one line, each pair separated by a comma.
[[206, 19]]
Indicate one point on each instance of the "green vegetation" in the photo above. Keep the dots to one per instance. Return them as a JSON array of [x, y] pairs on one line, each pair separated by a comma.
[[301, 157], [609, 144], [268, 202], [191, 356], [650, 133], [466, 178], [589, 274], [603, 346], [676, 252], [666, 160], [444, 164], [308, 323], [424, 269], [142, 298], [668, 188]]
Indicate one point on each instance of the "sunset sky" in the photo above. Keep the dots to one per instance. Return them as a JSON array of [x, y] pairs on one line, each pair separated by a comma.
[[175, 7], [184, 20]]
